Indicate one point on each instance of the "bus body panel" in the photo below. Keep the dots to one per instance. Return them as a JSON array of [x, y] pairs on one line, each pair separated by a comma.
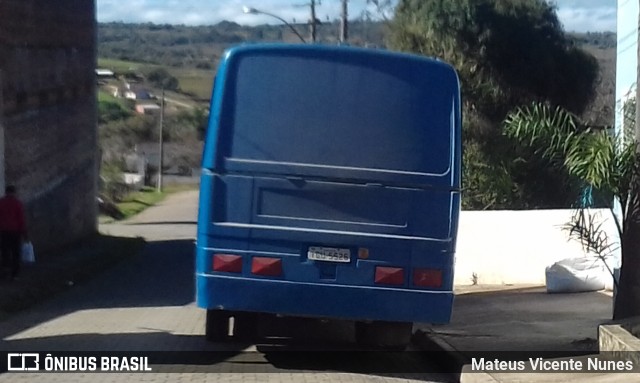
[[347, 149], [324, 300]]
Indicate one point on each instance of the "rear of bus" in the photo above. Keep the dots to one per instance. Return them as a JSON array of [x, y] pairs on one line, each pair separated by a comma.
[[330, 187]]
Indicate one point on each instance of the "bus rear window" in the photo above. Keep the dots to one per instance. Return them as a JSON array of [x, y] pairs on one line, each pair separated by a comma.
[[307, 110]]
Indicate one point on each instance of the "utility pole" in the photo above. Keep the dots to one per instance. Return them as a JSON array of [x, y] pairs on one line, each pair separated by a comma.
[[161, 143], [344, 24], [312, 22]]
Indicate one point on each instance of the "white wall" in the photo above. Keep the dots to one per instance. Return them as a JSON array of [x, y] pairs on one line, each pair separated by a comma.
[[515, 247], [627, 54]]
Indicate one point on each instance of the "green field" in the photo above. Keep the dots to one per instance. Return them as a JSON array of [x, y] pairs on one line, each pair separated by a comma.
[[104, 96], [196, 82], [119, 66]]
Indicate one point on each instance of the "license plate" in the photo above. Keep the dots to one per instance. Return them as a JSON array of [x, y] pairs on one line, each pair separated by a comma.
[[329, 254]]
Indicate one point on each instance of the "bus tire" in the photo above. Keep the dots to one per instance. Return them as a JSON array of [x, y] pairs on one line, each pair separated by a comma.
[[217, 325], [384, 335], [245, 326]]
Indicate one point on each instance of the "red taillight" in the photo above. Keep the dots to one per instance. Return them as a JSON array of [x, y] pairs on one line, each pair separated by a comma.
[[427, 277], [389, 275], [271, 267], [227, 263]]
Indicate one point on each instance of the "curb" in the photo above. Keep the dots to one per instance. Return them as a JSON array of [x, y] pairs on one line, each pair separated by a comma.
[[617, 340], [449, 358]]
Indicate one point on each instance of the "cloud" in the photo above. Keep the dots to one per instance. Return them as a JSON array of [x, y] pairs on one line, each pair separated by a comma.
[[201, 12], [588, 19]]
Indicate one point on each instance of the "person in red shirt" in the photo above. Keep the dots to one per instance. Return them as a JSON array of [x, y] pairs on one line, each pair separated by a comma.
[[13, 230]]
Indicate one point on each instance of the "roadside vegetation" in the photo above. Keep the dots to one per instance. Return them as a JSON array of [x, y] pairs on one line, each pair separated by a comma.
[[135, 202], [138, 201], [508, 54]]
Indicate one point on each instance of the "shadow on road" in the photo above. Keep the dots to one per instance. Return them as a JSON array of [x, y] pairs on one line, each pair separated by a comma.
[[192, 354], [162, 275]]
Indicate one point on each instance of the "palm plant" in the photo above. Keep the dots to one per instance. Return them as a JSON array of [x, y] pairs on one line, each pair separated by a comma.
[[604, 162]]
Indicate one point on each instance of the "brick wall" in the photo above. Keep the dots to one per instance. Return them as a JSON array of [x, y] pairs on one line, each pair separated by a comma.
[[47, 62]]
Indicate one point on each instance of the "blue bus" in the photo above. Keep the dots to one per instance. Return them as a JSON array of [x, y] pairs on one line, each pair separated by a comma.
[[330, 189]]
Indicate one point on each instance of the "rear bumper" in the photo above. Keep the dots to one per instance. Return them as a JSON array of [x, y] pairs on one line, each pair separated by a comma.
[[323, 300]]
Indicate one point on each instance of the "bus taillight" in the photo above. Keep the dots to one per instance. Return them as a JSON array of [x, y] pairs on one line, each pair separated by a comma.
[[389, 275], [227, 263], [427, 278], [271, 267]]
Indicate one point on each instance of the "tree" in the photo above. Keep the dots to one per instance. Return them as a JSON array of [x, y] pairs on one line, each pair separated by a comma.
[[383, 8], [111, 111], [507, 53], [161, 78], [602, 161]]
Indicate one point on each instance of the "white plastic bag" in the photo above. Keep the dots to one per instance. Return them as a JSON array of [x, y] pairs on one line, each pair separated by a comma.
[[576, 275], [28, 255]]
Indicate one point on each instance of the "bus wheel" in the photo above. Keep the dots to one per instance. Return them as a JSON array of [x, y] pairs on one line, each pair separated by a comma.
[[217, 325], [245, 326], [385, 335]]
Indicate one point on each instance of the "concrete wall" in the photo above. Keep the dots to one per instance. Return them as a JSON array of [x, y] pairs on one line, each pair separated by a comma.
[[47, 59], [515, 247]]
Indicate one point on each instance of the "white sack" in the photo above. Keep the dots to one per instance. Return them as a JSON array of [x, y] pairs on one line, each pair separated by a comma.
[[576, 275]]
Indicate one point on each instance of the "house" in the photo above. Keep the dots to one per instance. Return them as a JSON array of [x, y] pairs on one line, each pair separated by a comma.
[[132, 91], [626, 66], [137, 93], [148, 109]]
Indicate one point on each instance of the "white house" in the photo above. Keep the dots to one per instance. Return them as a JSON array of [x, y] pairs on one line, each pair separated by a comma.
[[627, 60]]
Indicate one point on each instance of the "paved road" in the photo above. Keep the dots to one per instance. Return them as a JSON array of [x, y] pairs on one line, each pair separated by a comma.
[[174, 101], [146, 304]]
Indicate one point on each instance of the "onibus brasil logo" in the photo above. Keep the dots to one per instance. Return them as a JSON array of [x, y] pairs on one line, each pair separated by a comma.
[[31, 362]]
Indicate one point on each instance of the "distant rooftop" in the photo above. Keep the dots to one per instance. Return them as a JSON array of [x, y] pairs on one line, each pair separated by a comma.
[[105, 72]]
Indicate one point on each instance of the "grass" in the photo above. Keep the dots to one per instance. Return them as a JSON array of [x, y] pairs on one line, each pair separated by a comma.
[[59, 270], [196, 82], [137, 202], [104, 96], [120, 66]]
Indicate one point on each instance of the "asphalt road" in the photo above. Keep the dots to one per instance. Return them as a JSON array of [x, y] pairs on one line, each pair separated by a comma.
[[146, 304]]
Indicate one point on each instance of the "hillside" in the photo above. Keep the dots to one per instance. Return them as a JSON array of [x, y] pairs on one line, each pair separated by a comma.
[[201, 46], [191, 54]]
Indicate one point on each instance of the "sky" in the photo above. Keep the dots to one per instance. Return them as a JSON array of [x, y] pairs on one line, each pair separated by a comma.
[[576, 15]]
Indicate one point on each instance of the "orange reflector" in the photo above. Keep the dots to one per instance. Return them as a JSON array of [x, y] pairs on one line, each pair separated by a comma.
[[227, 262], [427, 277], [271, 267], [389, 275]]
